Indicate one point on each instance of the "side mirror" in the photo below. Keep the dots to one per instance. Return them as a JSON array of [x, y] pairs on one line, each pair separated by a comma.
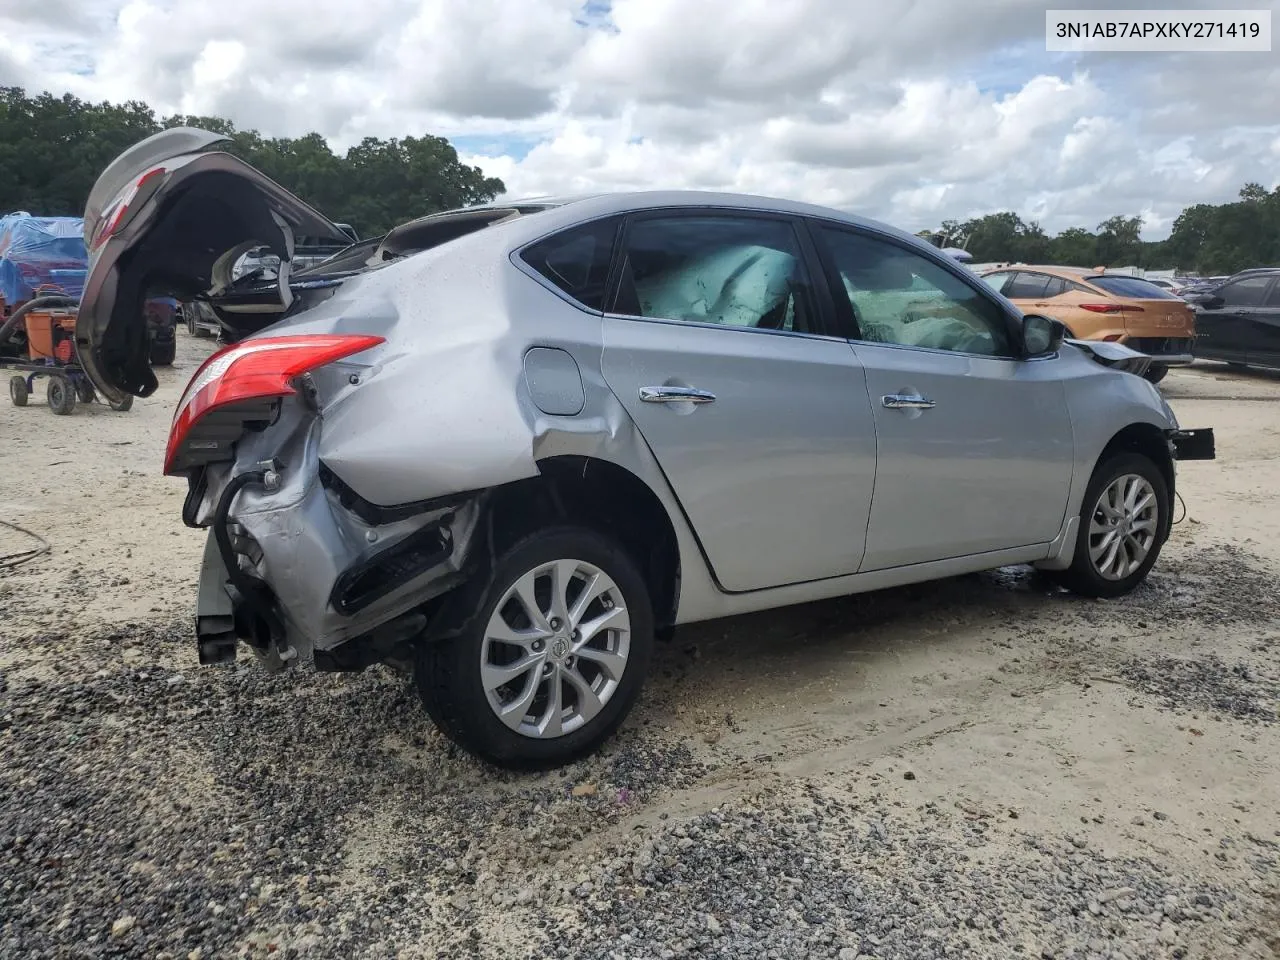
[[1041, 336]]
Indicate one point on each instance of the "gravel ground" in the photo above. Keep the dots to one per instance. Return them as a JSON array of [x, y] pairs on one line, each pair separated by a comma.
[[985, 767]]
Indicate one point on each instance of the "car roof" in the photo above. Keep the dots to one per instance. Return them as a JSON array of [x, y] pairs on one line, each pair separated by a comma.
[[557, 213], [1067, 273]]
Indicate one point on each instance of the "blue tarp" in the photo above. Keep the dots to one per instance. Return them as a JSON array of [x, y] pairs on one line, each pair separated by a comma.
[[41, 254]]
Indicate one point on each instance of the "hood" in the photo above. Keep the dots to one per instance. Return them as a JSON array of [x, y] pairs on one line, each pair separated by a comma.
[[169, 217]]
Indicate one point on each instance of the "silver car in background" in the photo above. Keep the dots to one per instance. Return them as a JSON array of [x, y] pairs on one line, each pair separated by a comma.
[[510, 445]]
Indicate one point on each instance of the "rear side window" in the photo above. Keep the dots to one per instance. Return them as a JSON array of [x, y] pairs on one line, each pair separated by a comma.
[[577, 261], [1273, 298], [1026, 286], [1245, 293], [1055, 288], [732, 270], [1131, 287]]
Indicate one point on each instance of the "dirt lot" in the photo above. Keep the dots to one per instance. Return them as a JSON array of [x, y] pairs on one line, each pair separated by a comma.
[[982, 767]]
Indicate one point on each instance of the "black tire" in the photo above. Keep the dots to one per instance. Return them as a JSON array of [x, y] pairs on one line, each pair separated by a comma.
[[1156, 372], [18, 391], [121, 406], [84, 391], [448, 672], [61, 396], [1082, 577], [163, 352]]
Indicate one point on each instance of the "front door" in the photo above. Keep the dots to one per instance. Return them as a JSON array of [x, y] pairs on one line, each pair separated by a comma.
[[1223, 325], [975, 447], [759, 419]]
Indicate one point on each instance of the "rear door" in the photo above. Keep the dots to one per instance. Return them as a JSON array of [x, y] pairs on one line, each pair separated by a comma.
[[1263, 336], [719, 348], [168, 218], [974, 446]]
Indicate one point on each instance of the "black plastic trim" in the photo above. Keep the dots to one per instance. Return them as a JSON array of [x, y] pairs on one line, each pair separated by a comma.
[[377, 515], [390, 569], [1193, 444]]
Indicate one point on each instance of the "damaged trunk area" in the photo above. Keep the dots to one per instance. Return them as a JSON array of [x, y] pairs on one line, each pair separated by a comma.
[[297, 566]]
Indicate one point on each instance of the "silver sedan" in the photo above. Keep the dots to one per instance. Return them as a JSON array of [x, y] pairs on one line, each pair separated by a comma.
[[508, 446]]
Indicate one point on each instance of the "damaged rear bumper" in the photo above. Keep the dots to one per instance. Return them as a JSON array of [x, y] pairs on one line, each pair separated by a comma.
[[295, 573]]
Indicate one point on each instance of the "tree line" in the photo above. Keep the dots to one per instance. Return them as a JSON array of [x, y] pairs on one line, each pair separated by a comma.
[[1207, 239], [52, 149]]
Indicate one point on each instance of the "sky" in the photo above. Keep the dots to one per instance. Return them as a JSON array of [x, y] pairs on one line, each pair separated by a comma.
[[911, 112]]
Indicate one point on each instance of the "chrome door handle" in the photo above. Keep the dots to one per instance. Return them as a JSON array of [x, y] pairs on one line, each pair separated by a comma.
[[676, 395], [907, 401]]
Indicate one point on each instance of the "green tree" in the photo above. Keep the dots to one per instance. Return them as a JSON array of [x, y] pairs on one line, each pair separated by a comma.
[[1119, 241], [52, 149], [1075, 247]]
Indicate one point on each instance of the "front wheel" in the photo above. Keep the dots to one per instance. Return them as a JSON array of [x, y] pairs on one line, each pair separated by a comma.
[[554, 658], [18, 391], [1124, 521]]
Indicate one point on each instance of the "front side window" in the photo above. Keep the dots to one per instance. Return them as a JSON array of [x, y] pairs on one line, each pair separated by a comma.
[[1245, 293], [730, 270], [901, 297], [996, 281], [576, 261]]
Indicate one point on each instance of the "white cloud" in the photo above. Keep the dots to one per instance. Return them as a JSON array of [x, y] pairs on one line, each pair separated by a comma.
[[908, 112]]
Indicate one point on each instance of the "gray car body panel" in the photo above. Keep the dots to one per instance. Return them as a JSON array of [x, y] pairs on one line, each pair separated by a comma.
[[487, 370]]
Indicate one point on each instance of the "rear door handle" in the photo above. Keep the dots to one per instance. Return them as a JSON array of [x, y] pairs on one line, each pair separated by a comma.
[[676, 395], [907, 401]]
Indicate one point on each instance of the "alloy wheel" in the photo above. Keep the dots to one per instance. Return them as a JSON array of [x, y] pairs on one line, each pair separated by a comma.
[[555, 648], [1123, 526]]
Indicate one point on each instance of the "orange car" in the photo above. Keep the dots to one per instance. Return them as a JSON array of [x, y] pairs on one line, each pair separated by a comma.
[[1096, 305]]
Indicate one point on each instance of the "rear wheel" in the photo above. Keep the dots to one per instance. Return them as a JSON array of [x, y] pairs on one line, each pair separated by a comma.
[[554, 658], [121, 405], [18, 391], [84, 391], [61, 396], [1124, 521], [1156, 372]]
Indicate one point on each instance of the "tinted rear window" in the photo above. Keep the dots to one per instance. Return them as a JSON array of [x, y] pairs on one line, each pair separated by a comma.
[[577, 260], [1131, 287]]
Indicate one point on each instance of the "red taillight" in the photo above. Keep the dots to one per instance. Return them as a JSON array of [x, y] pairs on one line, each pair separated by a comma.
[[1102, 307], [255, 370], [116, 216]]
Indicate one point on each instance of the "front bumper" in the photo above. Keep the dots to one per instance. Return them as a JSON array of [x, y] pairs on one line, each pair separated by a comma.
[[1193, 444]]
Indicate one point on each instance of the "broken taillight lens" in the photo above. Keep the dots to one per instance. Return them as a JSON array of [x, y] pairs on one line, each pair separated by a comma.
[[255, 370]]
